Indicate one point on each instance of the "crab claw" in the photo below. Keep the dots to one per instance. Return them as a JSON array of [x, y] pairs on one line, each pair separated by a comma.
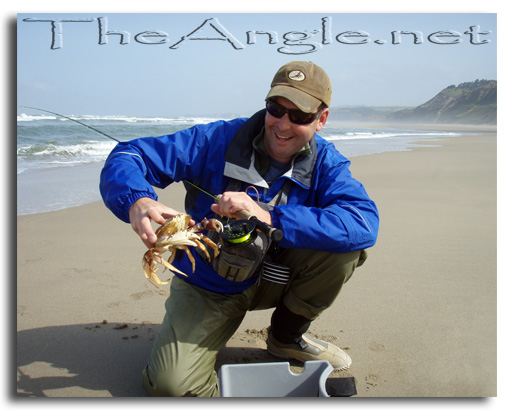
[[211, 225], [152, 258]]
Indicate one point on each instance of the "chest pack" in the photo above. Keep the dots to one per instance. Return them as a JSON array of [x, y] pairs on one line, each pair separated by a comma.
[[247, 247]]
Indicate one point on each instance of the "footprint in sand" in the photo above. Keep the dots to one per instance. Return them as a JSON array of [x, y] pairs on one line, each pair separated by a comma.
[[375, 346]]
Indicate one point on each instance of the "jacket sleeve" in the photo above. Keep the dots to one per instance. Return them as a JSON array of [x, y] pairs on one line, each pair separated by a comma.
[[133, 167], [338, 217]]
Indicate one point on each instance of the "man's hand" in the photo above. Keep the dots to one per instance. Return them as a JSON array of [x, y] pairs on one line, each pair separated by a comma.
[[143, 212], [231, 202]]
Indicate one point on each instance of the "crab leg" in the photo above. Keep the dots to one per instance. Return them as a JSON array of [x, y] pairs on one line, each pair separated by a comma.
[[156, 281], [191, 258], [173, 252], [202, 247], [162, 261], [210, 243]]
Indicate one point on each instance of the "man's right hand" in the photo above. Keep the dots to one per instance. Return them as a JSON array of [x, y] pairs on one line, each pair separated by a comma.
[[143, 212]]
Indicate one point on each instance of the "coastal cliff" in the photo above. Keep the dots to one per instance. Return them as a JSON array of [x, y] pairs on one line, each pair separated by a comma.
[[467, 103]]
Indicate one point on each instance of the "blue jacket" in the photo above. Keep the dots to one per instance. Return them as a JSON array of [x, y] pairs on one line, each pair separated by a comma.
[[327, 209]]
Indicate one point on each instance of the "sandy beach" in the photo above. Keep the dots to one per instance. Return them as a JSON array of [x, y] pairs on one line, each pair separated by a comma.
[[419, 319]]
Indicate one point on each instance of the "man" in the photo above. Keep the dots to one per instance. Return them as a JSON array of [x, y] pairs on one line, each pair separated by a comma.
[[304, 188]]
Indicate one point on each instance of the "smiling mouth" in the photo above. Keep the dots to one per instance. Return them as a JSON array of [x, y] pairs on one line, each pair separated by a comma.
[[281, 138]]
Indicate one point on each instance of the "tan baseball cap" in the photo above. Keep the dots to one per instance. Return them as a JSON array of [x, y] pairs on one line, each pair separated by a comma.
[[303, 83]]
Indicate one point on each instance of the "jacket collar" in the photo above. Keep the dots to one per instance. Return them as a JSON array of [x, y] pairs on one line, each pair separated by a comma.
[[240, 156]]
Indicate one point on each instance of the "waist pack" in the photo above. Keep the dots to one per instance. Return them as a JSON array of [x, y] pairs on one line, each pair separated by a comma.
[[239, 258], [240, 261], [244, 253]]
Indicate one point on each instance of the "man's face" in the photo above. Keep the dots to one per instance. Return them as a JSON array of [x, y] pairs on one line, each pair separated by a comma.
[[284, 139]]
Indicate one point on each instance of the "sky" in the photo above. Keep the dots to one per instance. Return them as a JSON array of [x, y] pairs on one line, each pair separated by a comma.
[[201, 64]]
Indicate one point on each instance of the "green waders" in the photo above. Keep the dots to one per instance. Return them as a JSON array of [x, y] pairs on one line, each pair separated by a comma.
[[198, 323]]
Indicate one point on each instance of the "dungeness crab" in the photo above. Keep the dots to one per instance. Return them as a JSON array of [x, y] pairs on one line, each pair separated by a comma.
[[175, 234]]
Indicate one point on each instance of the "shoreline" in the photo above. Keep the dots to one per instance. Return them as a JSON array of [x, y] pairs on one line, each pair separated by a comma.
[[81, 181], [468, 128], [415, 316]]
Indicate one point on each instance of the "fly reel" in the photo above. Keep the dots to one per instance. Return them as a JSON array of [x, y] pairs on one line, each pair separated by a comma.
[[239, 232]]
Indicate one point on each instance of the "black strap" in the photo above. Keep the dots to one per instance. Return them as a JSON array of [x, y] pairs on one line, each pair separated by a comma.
[[341, 387]]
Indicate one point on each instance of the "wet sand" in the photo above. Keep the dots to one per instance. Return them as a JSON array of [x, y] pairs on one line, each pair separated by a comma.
[[418, 319]]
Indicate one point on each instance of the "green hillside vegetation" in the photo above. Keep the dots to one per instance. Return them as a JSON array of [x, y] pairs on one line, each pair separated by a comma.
[[468, 103]]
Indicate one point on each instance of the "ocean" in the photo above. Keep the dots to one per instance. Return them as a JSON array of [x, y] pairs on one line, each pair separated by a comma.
[[59, 161]]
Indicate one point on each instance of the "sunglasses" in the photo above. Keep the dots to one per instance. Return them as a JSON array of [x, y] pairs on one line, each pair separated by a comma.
[[295, 116]]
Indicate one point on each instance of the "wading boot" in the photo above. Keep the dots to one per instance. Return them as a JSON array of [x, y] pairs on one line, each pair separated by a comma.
[[287, 339]]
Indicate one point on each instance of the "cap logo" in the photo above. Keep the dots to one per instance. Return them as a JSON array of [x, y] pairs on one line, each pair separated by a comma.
[[296, 75]]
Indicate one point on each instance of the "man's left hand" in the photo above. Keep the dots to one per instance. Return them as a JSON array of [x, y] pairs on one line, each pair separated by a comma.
[[231, 202]]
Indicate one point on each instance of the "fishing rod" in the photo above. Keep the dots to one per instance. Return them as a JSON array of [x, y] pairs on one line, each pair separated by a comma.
[[76, 121], [274, 233]]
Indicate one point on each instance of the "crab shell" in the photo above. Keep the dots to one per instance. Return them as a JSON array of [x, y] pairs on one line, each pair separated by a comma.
[[173, 225], [176, 234]]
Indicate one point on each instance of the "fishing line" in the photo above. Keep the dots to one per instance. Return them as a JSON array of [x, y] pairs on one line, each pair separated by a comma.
[[201, 189], [76, 121], [112, 138], [241, 233]]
